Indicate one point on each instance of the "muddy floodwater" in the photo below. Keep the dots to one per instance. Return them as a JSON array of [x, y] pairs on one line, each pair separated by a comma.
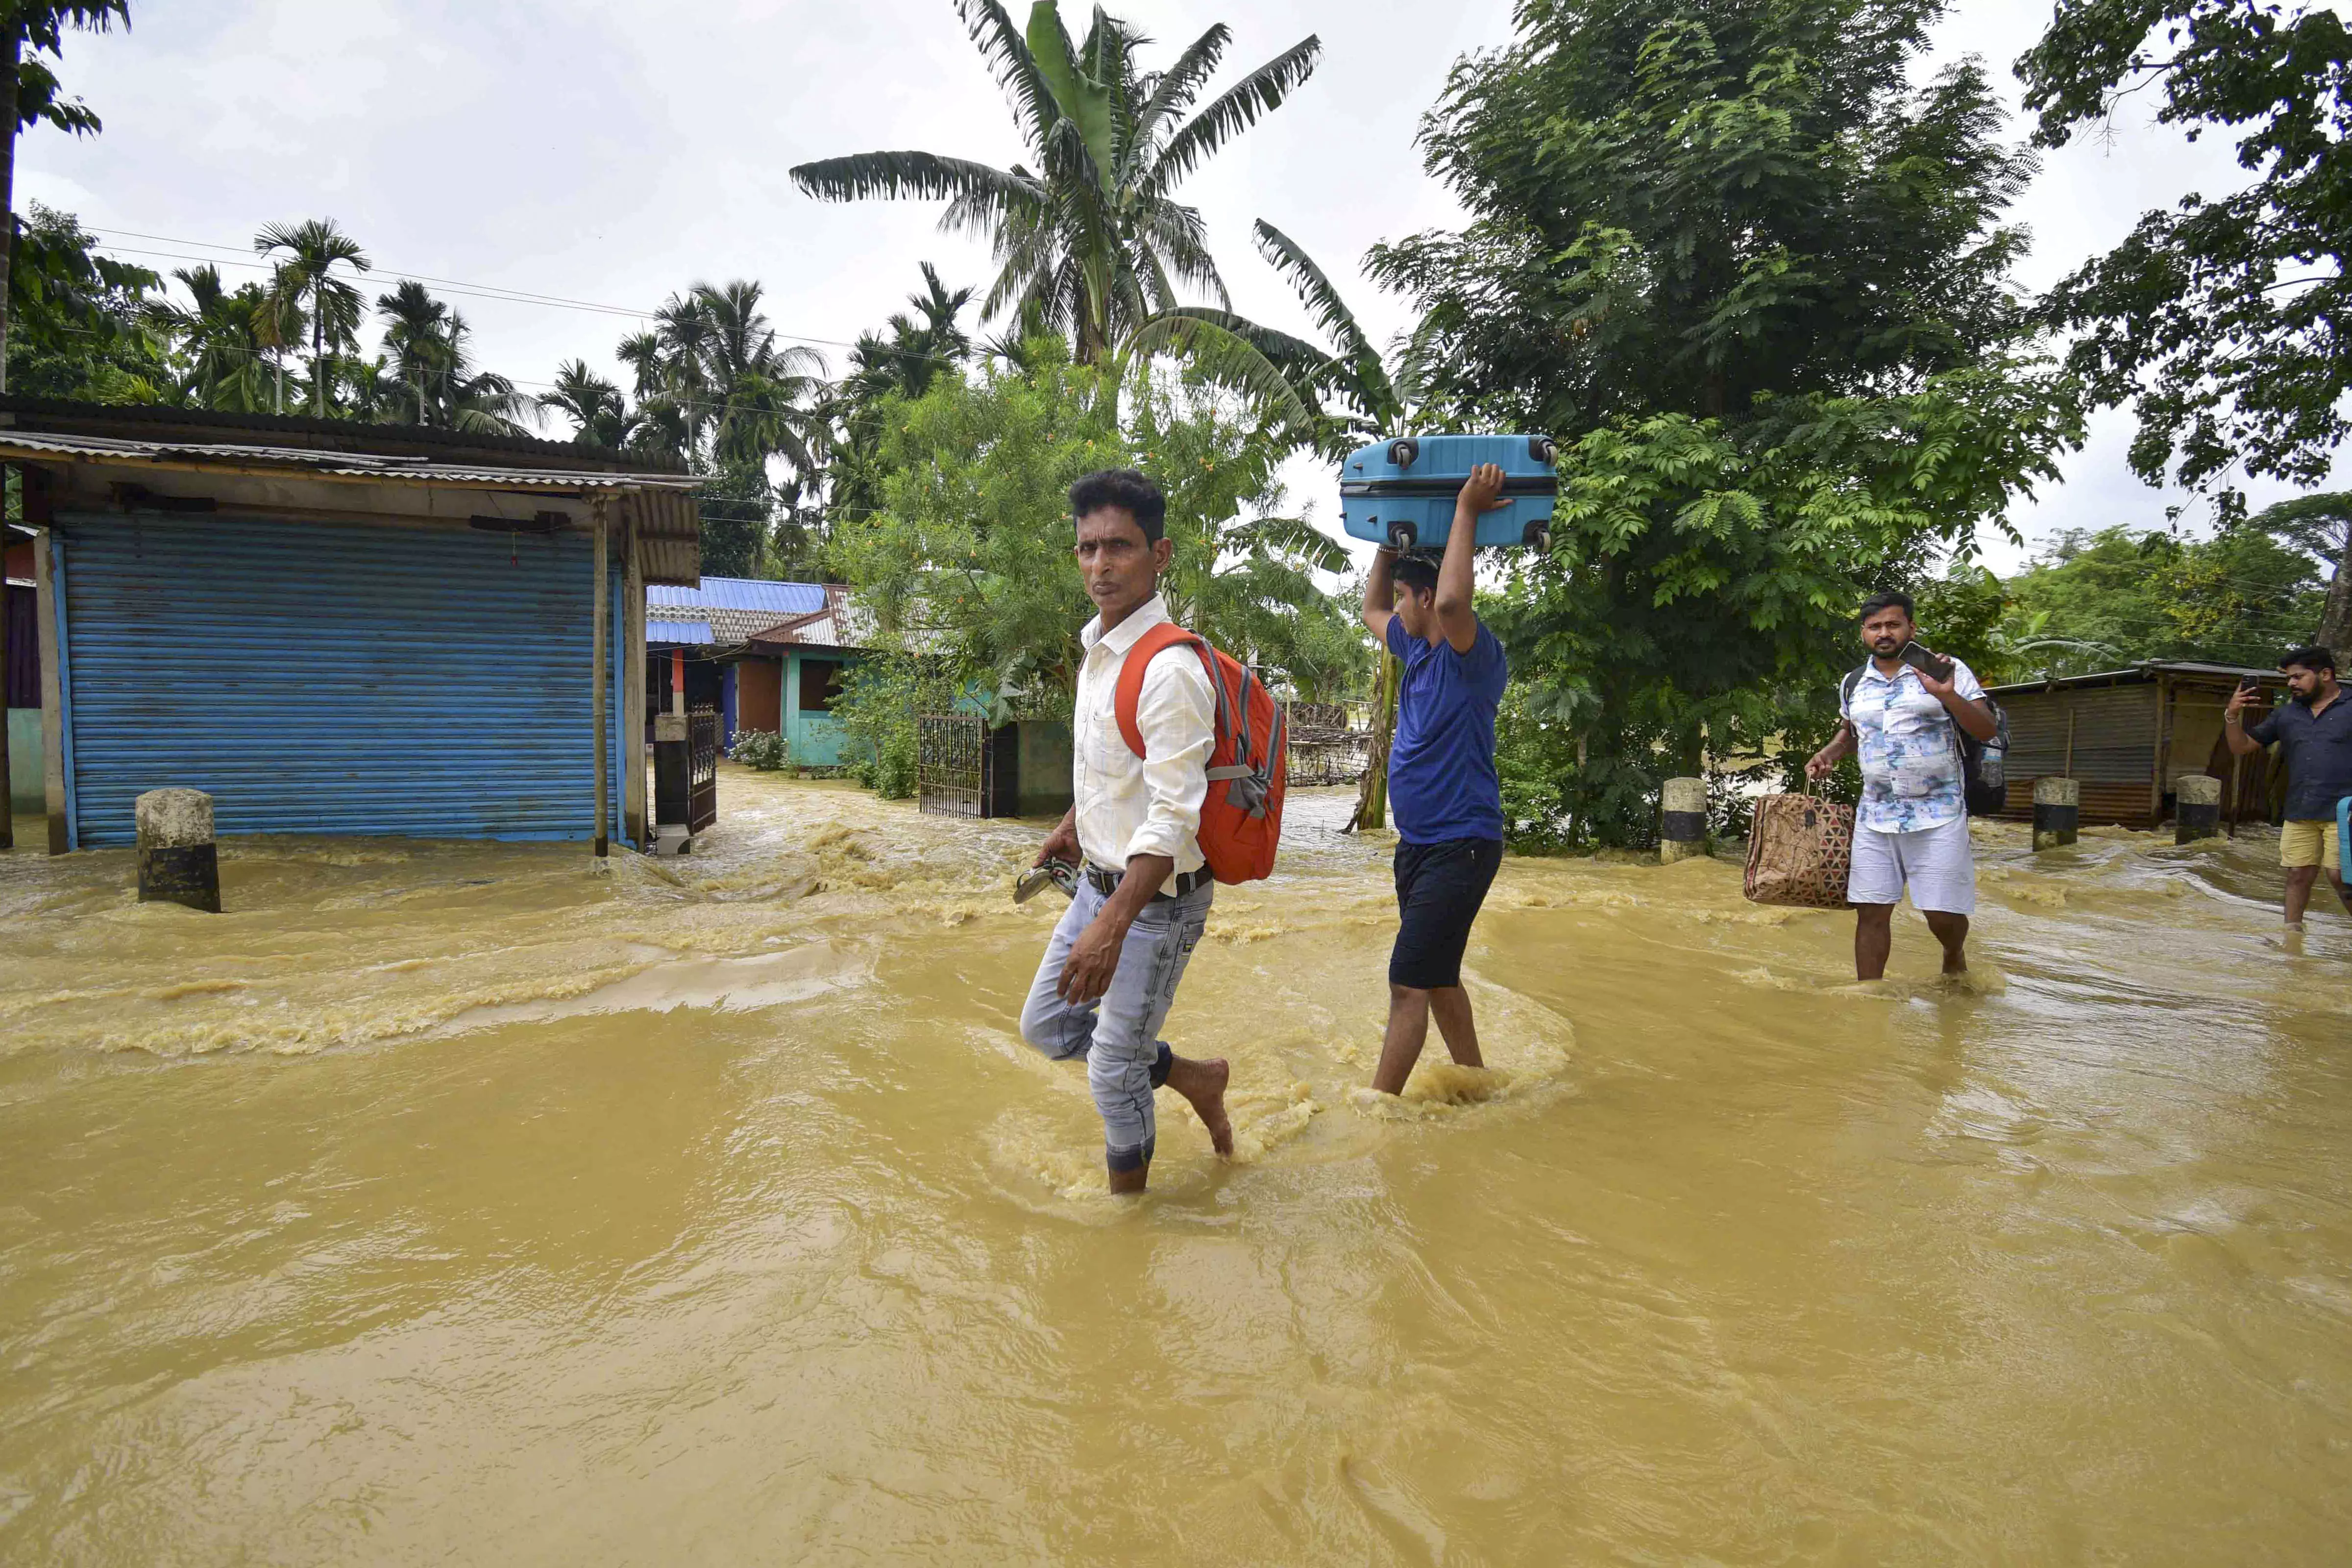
[[448, 1204]]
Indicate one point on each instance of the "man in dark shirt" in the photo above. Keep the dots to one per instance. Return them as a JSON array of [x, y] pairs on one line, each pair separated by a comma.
[[1442, 788], [2313, 734]]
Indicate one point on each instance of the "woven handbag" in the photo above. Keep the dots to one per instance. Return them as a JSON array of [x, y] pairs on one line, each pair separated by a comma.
[[1799, 852]]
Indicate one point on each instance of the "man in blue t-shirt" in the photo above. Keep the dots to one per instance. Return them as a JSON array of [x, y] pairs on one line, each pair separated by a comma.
[[1442, 790]]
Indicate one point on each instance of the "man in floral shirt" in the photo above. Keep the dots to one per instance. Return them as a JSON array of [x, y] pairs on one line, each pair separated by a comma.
[[1911, 829]]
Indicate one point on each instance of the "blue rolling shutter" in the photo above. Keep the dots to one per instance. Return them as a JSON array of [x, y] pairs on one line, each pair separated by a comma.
[[335, 678]]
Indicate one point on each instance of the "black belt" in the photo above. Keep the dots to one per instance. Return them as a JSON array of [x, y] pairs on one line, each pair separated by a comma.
[[1107, 882]]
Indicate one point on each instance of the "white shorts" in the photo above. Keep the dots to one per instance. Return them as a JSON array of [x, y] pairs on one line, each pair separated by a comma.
[[1934, 862]]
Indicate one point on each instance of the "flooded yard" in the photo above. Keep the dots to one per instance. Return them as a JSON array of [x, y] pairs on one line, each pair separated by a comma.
[[448, 1202]]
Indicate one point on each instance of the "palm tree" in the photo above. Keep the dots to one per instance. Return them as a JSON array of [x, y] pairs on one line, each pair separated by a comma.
[[415, 340], [921, 352], [1094, 238], [225, 340], [599, 414], [307, 279], [1295, 383], [764, 396], [425, 342], [31, 94], [479, 402]]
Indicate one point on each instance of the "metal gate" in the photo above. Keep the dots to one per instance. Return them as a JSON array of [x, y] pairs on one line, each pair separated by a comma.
[[328, 676], [702, 789], [953, 765]]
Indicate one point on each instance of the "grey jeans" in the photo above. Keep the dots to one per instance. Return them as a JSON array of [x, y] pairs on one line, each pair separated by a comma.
[[1119, 1035]]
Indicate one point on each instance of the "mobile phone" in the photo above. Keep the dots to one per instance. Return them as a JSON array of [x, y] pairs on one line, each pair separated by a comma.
[[2250, 683], [1037, 879], [1926, 663]]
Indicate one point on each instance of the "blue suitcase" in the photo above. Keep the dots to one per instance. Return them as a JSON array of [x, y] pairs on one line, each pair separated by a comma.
[[1402, 492]]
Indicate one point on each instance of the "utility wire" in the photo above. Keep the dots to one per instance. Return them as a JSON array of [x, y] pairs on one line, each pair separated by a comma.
[[243, 255]]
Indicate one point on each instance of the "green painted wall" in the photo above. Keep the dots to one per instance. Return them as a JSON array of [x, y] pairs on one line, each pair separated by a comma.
[[817, 740], [25, 760]]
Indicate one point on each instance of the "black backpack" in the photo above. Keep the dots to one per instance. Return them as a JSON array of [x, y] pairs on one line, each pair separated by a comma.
[[1984, 764]]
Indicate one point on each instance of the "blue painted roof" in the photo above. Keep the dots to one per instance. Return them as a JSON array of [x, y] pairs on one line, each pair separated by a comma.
[[742, 594], [669, 634]]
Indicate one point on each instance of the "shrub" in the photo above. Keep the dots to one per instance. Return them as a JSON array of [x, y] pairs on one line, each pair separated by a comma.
[[761, 749], [879, 700]]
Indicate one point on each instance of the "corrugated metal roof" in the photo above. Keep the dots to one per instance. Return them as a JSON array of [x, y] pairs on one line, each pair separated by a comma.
[[734, 609], [840, 624], [60, 414], [238, 455], [660, 506], [667, 633], [2147, 670], [779, 599]]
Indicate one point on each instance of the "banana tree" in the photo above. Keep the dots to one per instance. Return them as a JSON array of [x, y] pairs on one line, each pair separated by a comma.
[[1092, 238], [1332, 398]]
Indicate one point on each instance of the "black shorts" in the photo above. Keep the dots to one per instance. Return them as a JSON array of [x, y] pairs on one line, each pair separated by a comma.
[[1439, 888]]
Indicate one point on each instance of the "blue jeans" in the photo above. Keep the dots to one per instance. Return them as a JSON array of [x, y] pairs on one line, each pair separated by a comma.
[[1119, 1035]]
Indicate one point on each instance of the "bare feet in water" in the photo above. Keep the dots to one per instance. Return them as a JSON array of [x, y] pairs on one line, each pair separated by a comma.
[[1203, 1085]]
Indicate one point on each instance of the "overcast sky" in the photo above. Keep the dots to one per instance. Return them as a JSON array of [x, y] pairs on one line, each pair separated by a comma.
[[612, 153]]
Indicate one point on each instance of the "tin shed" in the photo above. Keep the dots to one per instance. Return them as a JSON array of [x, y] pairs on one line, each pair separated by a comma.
[[341, 629], [2126, 735]]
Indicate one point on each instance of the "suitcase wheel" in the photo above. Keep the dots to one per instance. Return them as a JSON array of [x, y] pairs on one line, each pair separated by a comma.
[[1542, 449], [1401, 534], [1537, 535], [1403, 451]]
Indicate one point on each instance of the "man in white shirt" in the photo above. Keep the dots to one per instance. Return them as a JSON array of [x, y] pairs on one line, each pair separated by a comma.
[[1110, 972], [1911, 829]]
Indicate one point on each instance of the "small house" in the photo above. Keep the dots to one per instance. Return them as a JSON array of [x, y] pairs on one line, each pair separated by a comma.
[[341, 629], [695, 640], [2126, 735], [792, 671]]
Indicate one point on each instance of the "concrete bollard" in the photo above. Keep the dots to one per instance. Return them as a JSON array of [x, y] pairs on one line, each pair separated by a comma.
[[2057, 812], [2197, 808], [1683, 833], [178, 863]]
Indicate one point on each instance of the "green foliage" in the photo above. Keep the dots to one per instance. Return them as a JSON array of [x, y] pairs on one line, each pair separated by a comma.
[[305, 286], [41, 26], [1332, 399], [1754, 282], [1242, 575], [763, 749], [2105, 600], [902, 364], [1088, 230], [2320, 523], [81, 324], [878, 701], [970, 560], [1697, 602], [2221, 321], [1961, 613], [1682, 206]]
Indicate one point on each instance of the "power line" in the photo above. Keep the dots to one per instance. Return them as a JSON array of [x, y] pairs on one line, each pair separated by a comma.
[[243, 255]]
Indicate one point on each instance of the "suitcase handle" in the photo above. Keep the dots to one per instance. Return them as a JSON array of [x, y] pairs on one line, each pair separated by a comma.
[[1402, 451]]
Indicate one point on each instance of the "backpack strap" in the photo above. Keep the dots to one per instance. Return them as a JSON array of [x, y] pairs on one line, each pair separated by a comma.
[[1251, 786], [1129, 693]]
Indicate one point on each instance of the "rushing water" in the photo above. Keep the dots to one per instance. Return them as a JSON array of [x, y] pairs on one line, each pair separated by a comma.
[[447, 1203]]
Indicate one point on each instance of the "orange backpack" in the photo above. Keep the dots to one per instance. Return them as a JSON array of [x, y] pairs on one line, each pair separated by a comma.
[[1240, 819]]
